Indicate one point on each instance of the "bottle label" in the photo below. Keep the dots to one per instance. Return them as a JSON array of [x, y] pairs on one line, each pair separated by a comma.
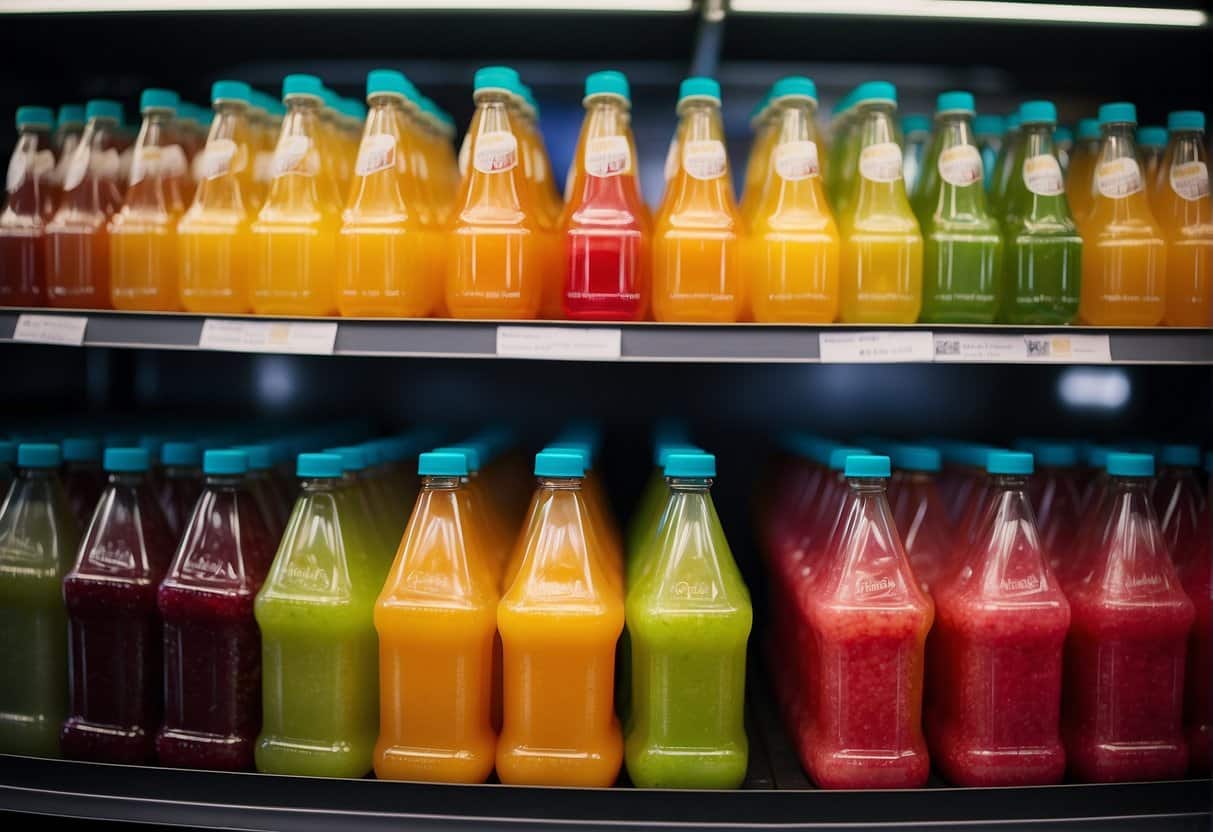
[[263, 166], [174, 162], [607, 156], [1042, 175], [704, 159], [293, 155], [960, 165], [881, 162], [377, 152], [217, 159], [144, 161], [16, 172], [495, 152], [671, 159], [1118, 178], [796, 160], [1190, 180], [104, 164], [464, 150]]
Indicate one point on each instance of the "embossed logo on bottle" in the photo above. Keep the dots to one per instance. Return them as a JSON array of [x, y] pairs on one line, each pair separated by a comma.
[[1029, 584], [1139, 581], [113, 556], [871, 586]]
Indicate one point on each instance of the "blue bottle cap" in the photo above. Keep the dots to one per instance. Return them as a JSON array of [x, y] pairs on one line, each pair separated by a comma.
[[356, 110], [839, 454], [38, 455], [151, 444], [793, 86], [1152, 136], [225, 461], [444, 462], [843, 105], [699, 87], [81, 449], [873, 91], [1180, 456], [29, 116], [1088, 129], [690, 464], [1055, 454], [916, 457], [562, 463], [126, 460], [469, 450], [384, 82], [867, 465], [989, 126], [1037, 112], [327, 466], [955, 101], [760, 109], [352, 457], [103, 108], [71, 114], [1009, 462], [608, 82], [504, 78], [1063, 135], [302, 84], [1120, 464], [259, 458], [154, 98], [181, 454], [231, 91], [1011, 120], [1118, 112], [8, 452], [664, 451], [915, 123], [1178, 120]]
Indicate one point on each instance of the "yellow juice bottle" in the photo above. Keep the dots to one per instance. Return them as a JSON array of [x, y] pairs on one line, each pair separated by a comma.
[[295, 233], [843, 153], [420, 174], [881, 263], [538, 171], [792, 249], [1080, 174], [214, 237], [1186, 217], [762, 124], [1151, 148], [1124, 253], [698, 229]]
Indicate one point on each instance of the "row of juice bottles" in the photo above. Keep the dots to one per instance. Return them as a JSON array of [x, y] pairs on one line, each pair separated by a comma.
[[199, 621], [1007, 617]]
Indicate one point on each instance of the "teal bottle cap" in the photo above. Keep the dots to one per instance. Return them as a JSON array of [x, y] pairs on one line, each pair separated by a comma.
[[1055, 454], [470, 452], [448, 462], [327, 466], [72, 114], [867, 465], [231, 91], [562, 463], [761, 108], [915, 123], [302, 84], [970, 454], [955, 101], [1063, 135], [916, 458], [1088, 129], [1178, 120], [690, 465], [1011, 120], [352, 457], [1096, 456], [181, 454], [126, 460], [8, 452], [839, 454], [259, 457], [845, 104], [1037, 112], [81, 449], [356, 109], [989, 126], [608, 82], [103, 108], [158, 99], [151, 444], [875, 91], [1152, 136], [412, 95], [1180, 456], [793, 86], [1118, 112], [664, 451], [1009, 462], [699, 87], [38, 455], [1121, 464], [29, 116], [385, 82], [225, 462], [502, 78]]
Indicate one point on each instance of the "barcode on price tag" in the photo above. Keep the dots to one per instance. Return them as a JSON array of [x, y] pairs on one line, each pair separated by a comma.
[[1068, 349], [311, 338], [876, 347], [66, 330], [559, 342]]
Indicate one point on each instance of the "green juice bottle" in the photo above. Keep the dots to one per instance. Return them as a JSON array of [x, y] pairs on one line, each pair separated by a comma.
[[1007, 158]]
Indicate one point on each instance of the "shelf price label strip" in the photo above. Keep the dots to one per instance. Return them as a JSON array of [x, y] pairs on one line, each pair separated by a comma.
[[560, 343], [64, 330], [302, 338], [1049, 347]]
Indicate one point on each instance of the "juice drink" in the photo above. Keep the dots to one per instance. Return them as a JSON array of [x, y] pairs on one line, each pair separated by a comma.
[[1125, 654], [1183, 210], [38, 538], [180, 483], [605, 223], [143, 233], [919, 513], [840, 172], [82, 478], [1124, 264], [1063, 138], [1151, 147], [69, 126], [1194, 564], [1055, 497], [989, 131], [869, 623], [275, 510], [1042, 265], [372, 525], [698, 229], [78, 258], [315, 611], [214, 236], [995, 653], [916, 133], [295, 233], [538, 171], [793, 246], [689, 617], [30, 188], [962, 240], [212, 647], [114, 628], [559, 621], [1080, 176], [1010, 156], [436, 619], [762, 125], [881, 243]]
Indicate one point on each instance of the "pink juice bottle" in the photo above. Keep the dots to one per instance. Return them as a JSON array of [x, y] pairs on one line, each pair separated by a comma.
[[180, 483], [212, 647], [919, 512], [869, 620], [995, 654], [1055, 496], [1125, 654], [114, 628], [83, 480]]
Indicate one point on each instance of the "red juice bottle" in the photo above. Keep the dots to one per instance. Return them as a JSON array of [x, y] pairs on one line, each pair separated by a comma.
[[180, 483], [29, 190], [605, 222], [1125, 654], [82, 478], [114, 628], [869, 621], [1178, 501], [994, 657], [212, 647], [1055, 496], [968, 463], [919, 512]]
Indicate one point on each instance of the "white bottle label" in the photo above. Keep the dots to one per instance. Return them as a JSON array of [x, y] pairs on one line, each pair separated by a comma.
[[704, 159], [217, 159], [465, 150], [1190, 180], [881, 162], [263, 166], [796, 160], [293, 155], [16, 172], [1042, 175], [960, 165], [377, 152], [76, 168], [671, 159], [607, 156], [495, 152], [145, 161], [108, 164], [173, 161], [1118, 178]]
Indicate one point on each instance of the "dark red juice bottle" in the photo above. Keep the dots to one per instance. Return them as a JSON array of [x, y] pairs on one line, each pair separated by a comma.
[[83, 480], [29, 190], [180, 483]]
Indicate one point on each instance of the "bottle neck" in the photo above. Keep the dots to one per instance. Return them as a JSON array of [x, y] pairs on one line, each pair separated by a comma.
[[795, 120], [127, 479], [688, 485], [37, 474], [868, 486], [224, 482], [700, 120], [303, 113], [1119, 142], [606, 115], [1008, 482], [877, 124], [1186, 146], [560, 483], [443, 483], [319, 485], [154, 131]]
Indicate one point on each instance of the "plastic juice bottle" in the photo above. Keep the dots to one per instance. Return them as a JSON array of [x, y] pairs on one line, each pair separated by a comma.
[[839, 173], [495, 263], [538, 172], [275, 511], [114, 628], [645, 522], [1183, 210], [919, 513], [69, 126], [30, 188], [1056, 499], [1194, 564], [604, 223], [265, 132], [1063, 138], [318, 646], [869, 621], [82, 478], [1123, 691], [989, 131], [215, 236], [434, 186], [212, 647], [496, 538], [916, 128], [1080, 175], [1010, 156], [689, 617], [1151, 147], [436, 619], [559, 621], [180, 483], [295, 233], [698, 230], [962, 240], [995, 653], [793, 244], [762, 125], [78, 260], [1178, 500], [1124, 265], [38, 539], [371, 526], [881, 242]]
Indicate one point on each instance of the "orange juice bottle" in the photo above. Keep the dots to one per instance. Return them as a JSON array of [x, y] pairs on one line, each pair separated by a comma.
[[793, 247], [1186, 216], [559, 621], [382, 249], [1124, 256], [417, 166], [436, 619], [1151, 147], [267, 121], [1080, 174], [697, 232], [537, 170], [881, 278], [762, 125], [295, 233], [440, 155], [495, 261], [214, 236]]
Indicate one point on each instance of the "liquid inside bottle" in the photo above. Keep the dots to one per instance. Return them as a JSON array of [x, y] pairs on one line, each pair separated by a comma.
[[1183, 209], [30, 191]]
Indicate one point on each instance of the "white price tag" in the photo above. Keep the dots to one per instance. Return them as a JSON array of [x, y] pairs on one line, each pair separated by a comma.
[[559, 342], [315, 338], [67, 330], [1069, 349], [876, 347], [979, 348]]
